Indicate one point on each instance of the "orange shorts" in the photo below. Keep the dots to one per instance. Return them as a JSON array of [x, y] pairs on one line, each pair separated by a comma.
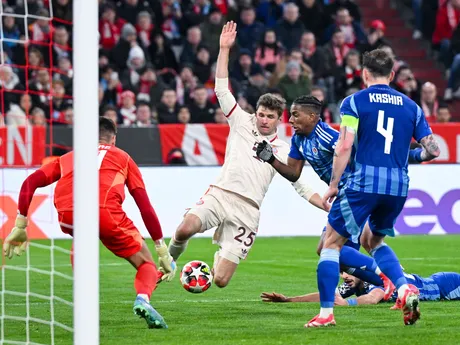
[[116, 231]]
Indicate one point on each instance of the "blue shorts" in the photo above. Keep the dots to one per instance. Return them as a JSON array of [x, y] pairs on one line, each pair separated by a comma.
[[351, 209], [449, 285]]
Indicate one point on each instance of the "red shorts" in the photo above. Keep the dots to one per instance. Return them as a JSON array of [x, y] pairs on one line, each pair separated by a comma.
[[116, 231]]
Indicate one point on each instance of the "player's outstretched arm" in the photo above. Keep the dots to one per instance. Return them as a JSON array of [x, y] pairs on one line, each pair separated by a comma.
[[275, 297], [16, 241], [430, 150], [227, 39]]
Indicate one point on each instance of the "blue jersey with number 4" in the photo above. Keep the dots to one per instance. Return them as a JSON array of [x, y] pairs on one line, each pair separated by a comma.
[[388, 120]]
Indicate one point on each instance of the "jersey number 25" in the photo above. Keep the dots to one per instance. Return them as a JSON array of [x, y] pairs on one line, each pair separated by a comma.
[[386, 132]]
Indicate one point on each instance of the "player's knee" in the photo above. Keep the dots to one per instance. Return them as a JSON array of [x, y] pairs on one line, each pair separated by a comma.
[[221, 280], [189, 227]]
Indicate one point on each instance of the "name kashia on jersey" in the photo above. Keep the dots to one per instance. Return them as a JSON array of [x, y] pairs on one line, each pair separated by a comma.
[[385, 98]]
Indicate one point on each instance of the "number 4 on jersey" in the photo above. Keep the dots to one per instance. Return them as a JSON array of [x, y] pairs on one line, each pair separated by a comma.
[[386, 132]]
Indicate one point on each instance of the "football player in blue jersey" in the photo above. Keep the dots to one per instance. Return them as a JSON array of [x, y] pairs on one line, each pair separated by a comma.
[[383, 122], [442, 286], [314, 141]]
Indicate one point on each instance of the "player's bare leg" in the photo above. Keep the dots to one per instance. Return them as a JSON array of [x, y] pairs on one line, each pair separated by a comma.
[[408, 296], [145, 283], [328, 277], [224, 270], [191, 225]]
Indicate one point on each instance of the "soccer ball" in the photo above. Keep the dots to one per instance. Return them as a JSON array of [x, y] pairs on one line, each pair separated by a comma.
[[196, 276]]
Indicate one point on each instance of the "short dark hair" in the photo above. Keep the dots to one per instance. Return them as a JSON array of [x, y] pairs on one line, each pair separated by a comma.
[[378, 63], [272, 102], [310, 102], [107, 129]]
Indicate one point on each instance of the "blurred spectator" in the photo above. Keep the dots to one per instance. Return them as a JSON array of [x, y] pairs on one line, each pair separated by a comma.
[[211, 29], [336, 51], [38, 117], [296, 55], [41, 87], [176, 157], [375, 37], [289, 29], [353, 32], [313, 16], [120, 53], [257, 86], [9, 81], [350, 5], [201, 110], [10, 29], [447, 19], [68, 116], [172, 24], [143, 116], [429, 102], [397, 63], [186, 84], [110, 84], [184, 115], [196, 12], [130, 78], [443, 114], [62, 9], [326, 114], [35, 62], [293, 84], [268, 54], [244, 67], [270, 12], [40, 30], [405, 82], [59, 103], [191, 45], [313, 56], [111, 113], [168, 108], [349, 76], [128, 9], [65, 73], [128, 108], [202, 66], [18, 113], [61, 45], [250, 32], [109, 27], [150, 86], [145, 29], [161, 54], [219, 117]]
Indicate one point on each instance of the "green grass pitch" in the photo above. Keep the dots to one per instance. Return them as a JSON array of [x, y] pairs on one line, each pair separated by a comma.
[[235, 315]]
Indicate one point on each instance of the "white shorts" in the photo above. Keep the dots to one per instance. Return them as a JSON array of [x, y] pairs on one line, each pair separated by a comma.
[[236, 219]]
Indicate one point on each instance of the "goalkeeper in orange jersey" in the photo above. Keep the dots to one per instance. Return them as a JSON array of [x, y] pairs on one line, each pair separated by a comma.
[[116, 231]]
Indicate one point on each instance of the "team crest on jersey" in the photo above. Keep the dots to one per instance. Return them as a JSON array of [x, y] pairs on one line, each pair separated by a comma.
[[200, 202], [274, 150], [315, 151]]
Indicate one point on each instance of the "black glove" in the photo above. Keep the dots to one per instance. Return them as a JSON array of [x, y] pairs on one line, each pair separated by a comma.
[[265, 152]]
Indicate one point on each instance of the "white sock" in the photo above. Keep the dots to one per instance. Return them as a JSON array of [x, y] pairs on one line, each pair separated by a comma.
[[402, 290], [144, 296], [325, 312], [378, 271], [176, 248]]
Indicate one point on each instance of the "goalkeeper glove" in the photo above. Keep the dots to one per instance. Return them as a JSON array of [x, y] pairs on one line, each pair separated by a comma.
[[167, 263], [265, 152], [16, 241]]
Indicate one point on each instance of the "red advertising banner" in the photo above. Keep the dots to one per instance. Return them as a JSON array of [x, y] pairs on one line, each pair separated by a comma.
[[204, 144], [22, 146]]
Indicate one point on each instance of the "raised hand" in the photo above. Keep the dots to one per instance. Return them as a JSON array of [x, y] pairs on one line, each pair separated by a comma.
[[228, 35]]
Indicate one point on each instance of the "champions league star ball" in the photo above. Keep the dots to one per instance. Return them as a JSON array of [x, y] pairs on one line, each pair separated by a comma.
[[196, 276]]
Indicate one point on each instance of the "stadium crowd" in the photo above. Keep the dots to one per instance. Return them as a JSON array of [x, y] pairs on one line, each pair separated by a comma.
[[157, 57]]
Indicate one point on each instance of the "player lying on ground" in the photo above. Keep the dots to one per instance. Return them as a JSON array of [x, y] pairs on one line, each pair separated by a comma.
[[314, 141], [377, 183], [116, 231], [232, 203], [438, 286]]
